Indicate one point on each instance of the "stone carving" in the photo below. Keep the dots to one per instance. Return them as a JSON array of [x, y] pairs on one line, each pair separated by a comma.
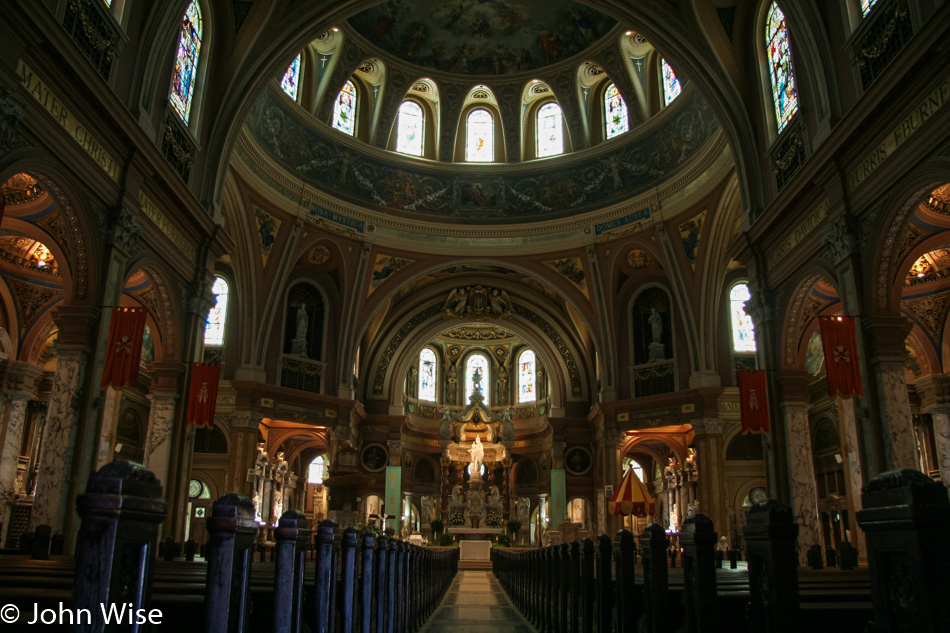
[[445, 425], [841, 240], [478, 457], [126, 232], [11, 111], [507, 425], [477, 302]]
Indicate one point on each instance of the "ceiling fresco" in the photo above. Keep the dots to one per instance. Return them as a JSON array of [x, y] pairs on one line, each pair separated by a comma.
[[392, 184], [482, 37]]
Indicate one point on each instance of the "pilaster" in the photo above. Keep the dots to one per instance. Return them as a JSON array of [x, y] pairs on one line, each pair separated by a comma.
[[711, 491]]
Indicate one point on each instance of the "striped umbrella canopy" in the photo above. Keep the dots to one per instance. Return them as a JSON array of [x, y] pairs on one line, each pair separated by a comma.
[[631, 497]]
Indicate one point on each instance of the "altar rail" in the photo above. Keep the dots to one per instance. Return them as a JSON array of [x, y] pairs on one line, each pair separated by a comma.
[[357, 582], [587, 586]]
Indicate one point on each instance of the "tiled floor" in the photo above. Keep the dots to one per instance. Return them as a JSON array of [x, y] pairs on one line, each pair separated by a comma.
[[475, 603]]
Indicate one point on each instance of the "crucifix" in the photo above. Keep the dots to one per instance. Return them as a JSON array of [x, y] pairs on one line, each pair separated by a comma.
[[323, 61], [639, 63]]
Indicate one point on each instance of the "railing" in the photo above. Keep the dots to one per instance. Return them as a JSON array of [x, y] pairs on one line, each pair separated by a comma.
[[301, 373], [581, 586], [654, 378], [357, 583]]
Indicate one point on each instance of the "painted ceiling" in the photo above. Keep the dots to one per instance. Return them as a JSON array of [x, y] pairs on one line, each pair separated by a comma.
[[482, 37]]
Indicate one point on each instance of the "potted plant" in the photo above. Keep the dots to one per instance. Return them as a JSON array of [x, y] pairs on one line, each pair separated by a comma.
[[437, 528], [513, 527]]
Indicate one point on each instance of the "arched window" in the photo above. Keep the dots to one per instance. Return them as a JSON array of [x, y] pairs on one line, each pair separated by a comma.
[[615, 112], [550, 141], [410, 128], [866, 6], [291, 77], [781, 74], [527, 375], [186, 62], [214, 328], [428, 371], [317, 470], [480, 136], [671, 83], [344, 110], [476, 365], [743, 332]]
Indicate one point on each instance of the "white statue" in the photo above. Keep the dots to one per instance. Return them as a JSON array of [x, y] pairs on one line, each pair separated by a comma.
[[456, 496], [656, 325], [428, 511], [478, 456], [301, 322], [494, 498]]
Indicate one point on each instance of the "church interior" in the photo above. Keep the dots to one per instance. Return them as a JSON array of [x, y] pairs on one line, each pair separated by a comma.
[[471, 262]]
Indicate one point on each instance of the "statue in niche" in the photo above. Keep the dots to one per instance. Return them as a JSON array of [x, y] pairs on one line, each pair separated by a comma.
[[428, 511], [478, 457], [445, 427], [507, 426], [298, 346], [656, 350], [656, 325], [524, 511], [451, 380], [502, 383]]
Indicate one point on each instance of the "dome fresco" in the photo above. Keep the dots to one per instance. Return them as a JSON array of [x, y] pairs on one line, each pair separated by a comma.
[[504, 195], [479, 37]]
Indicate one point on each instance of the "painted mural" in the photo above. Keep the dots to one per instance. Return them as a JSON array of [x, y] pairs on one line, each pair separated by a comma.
[[385, 266], [525, 196], [483, 37], [572, 269], [267, 227], [691, 232]]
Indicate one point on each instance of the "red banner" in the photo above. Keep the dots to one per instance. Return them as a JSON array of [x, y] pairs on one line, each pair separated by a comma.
[[124, 349], [203, 394], [841, 356], [753, 402]]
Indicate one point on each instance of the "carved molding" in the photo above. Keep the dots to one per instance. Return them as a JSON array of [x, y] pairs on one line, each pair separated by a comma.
[[841, 240], [477, 303]]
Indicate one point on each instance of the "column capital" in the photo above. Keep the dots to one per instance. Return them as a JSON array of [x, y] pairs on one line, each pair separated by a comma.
[[708, 426], [166, 375], [841, 239], [791, 386], [885, 337], [77, 325], [934, 391], [245, 419], [20, 376]]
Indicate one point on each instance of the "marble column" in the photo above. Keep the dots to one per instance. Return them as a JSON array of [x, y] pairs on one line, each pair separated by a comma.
[[161, 418], [11, 456], [900, 448], [942, 445], [801, 474], [59, 440], [709, 461], [888, 357], [112, 400], [854, 479]]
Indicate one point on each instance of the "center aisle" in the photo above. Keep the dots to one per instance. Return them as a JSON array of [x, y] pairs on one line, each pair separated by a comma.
[[476, 603]]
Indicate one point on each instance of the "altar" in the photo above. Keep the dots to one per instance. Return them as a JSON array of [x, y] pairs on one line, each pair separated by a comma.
[[475, 550], [474, 534]]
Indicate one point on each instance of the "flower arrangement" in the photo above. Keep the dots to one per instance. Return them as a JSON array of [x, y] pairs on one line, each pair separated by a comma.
[[493, 518], [456, 518]]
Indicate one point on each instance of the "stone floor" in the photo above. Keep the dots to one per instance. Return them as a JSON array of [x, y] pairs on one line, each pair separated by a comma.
[[476, 603]]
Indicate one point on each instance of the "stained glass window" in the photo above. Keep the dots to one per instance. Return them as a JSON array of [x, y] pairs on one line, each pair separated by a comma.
[[476, 365], [291, 77], [866, 6], [317, 470], [480, 136], [214, 328], [527, 390], [428, 367], [549, 130], [671, 83], [344, 110], [615, 112], [743, 331], [186, 62], [784, 93], [410, 128]]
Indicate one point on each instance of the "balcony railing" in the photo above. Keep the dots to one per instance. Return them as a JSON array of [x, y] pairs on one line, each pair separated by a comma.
[[301, 373]]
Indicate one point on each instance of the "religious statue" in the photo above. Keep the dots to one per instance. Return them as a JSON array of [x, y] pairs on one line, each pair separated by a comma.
[[477, 380], [524, 511], [478, 457], [656, 325], [456, 499], [494, 498], [445, 427], [502, 383], [428, 511], [301, 321], [507, 426], [691, 459], [451, 380]]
